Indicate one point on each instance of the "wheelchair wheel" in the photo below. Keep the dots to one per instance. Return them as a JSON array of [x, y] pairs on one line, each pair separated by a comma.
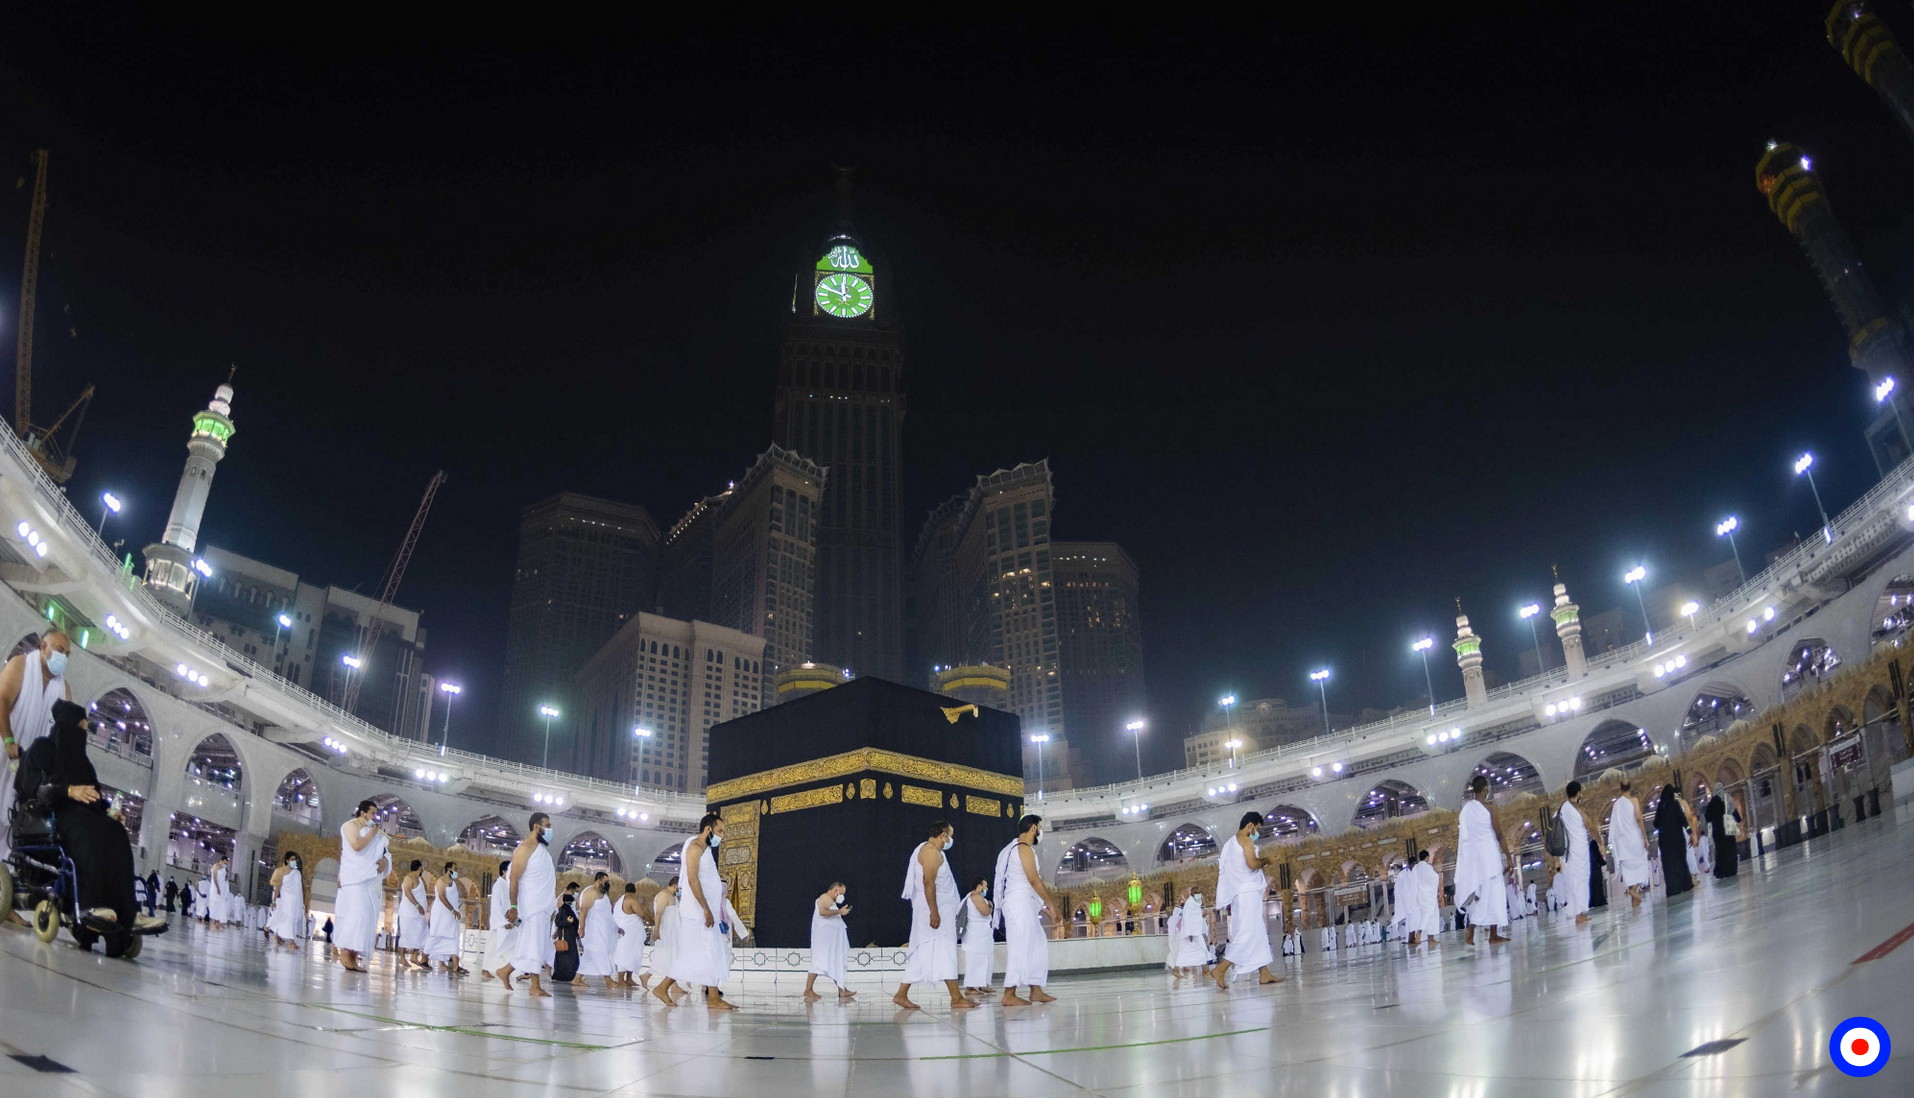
[[132, 949], [6, 893], [117, 945], [84, 938], [46, 920]]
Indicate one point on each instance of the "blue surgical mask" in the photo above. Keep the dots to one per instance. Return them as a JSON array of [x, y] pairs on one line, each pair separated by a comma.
[[715, 840], [545, 837], [948, 841], [56, 663]]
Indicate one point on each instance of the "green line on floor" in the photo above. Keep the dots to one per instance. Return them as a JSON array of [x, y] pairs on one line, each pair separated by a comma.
[[1099, 1048], [467, 1031]]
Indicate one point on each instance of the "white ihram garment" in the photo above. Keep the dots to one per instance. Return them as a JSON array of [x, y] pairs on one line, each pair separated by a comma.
[[1627, 847], [414, 929], [537, 900], [288, 919], [1479, 883], [830, 945], [355, 909], [442, 935], [498, 938], [980, 947], [698, 954], [1020, 909], [1575, 866], [629, 954], [599, 940], [1241, 889], [933, 950], [32, 719], [1190, 944], [1425, 893]]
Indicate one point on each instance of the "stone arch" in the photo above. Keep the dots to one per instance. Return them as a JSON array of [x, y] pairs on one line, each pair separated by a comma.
[[1893, 611], [1188, 841], [1840, 722], [1286, 823], [590, 852], [1716, 706], [24, 645], [119, 718], [490, 835], [1509, 774], [667, 864], [1313, 898], [215, 763], [1811, 661], [1612, 743], [298, 797], [396, 815], [1764, 792], [1387, 800], [1802, 740], [1092, 858]]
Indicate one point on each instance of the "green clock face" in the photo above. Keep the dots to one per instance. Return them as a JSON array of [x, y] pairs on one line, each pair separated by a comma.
[[844, 295]]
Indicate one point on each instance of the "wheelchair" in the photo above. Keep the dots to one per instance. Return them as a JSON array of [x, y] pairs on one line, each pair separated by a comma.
[[39, 875]]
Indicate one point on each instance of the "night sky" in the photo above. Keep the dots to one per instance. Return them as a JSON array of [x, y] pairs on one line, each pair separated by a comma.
[[1327, 322]]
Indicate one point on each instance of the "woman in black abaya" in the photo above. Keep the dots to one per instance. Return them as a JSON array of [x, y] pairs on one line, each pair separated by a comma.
[[1671, 836]]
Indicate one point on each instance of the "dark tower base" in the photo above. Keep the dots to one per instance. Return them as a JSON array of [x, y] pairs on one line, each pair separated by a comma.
[[842, 786]]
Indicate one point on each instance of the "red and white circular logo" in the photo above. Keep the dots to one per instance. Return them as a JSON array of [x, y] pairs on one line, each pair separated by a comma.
[[1860, 1046]]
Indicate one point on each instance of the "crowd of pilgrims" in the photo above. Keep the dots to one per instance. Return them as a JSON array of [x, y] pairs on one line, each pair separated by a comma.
[[682, 936]]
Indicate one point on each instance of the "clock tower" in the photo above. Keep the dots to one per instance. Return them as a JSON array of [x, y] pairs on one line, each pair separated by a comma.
[[840, 403]]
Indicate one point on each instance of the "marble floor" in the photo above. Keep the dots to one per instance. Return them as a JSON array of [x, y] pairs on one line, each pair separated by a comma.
[[1772, 960]]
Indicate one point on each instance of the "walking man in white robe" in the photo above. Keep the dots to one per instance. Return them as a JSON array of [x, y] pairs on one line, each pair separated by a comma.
[[1576, 866], [1480, 865], [1629, 840], [1240, 887], [414, 911], [830, 943], [532, 898], [1189, 940], [363, 864], [932, 891], [980, 940], [29, 685], [1021, 901], [699, 953], [498, 935], [1425, 901]]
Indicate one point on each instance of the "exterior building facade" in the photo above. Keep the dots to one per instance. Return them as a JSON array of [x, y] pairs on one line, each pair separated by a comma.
[[1259, 725], [764, 559], [1100, 649], [650, 695], [984, 592], [840, 403], [585, 567]]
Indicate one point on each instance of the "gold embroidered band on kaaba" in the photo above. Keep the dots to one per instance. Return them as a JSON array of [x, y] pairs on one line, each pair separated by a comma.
[[861, 761]]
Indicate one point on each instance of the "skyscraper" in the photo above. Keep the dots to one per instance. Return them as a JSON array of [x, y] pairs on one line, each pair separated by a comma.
[[1100, 650], [982, 583], [764, 559], [585, 566], [840, 403]]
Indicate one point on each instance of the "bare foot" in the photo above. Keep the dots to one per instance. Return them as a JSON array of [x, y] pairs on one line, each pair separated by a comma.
[[663, 995], [540, 993], [1037, 996], [608, 984], [962, 1004], [1011, 998], [1581, 920], [1268, 979], [812, 996], [903, 1002], [717, 1003], [484, 975], [1496, 938], [1469, 938], [846, 996]]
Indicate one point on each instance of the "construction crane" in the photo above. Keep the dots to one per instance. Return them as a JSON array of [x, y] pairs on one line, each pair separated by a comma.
[[42, 442], [389, 587]]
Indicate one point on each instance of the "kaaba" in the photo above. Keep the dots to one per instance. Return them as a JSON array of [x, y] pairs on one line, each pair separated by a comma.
[[842, 786]]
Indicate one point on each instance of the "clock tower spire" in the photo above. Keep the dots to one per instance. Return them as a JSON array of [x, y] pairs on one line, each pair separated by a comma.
[[840, 403]]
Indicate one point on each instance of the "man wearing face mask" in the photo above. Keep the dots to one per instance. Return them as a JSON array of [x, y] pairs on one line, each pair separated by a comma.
[[932, 892], [363, 864], [533, 895], [29, 685], [980, 943], [830, 943], [1240, 887], [1021, 901], [699, 956]]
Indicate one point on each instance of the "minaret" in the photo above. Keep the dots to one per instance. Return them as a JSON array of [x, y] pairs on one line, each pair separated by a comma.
[[1877, 343], [1865, 43], [169, 564], [1468, 656], [1568, 626]]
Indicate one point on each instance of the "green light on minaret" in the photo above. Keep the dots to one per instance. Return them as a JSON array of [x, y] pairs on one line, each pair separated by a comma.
[[213, 426]]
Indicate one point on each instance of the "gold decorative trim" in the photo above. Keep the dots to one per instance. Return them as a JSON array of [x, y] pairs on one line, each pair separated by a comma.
[[926, 798], [867, 788], [809, 798], [982, 806], [865, 760]]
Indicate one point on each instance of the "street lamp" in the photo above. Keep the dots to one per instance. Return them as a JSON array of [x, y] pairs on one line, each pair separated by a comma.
[[641, 734], [1805, 465], [284, 621], [1233, 745], [1528, 614], [1634, 578], [1423, 647], [1726, 529], [1135, 729], [450, 690], [1688, 610], [108, 502], [1040, 738], [1881, 392], [1321, 679], [548, 712], [353, 663]]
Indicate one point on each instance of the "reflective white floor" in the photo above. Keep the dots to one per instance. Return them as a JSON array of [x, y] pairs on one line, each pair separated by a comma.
[[1768, 959]]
